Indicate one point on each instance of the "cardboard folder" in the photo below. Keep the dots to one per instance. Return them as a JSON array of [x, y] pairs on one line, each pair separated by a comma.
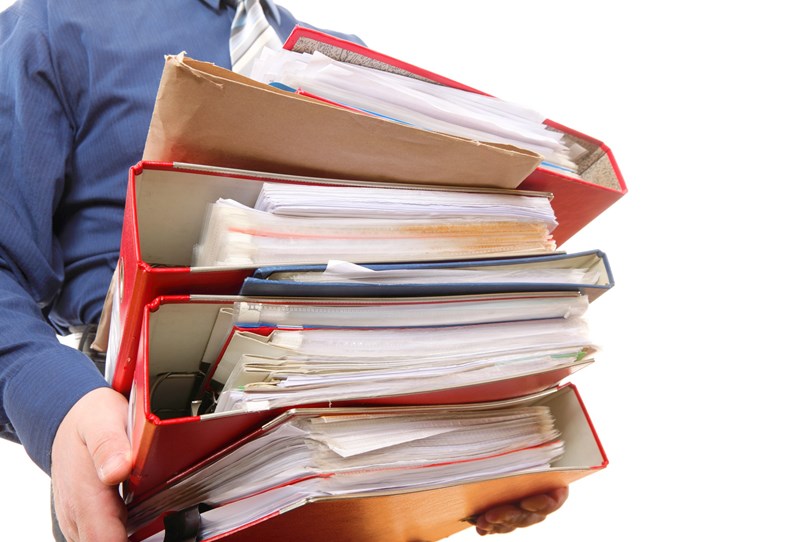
[[163, 218], [577, 200], [210, 115], [176, 331], [419, 514]]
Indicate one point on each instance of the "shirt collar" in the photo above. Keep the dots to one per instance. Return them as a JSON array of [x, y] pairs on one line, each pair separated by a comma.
[[269, 7], [214, 4]]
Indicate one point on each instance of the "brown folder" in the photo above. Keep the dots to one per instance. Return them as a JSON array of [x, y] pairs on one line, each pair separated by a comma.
[[205, 114]]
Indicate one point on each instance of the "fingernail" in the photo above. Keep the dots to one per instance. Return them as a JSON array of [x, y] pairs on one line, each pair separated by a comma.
[[111, 465], [511, 517], [535, 504]]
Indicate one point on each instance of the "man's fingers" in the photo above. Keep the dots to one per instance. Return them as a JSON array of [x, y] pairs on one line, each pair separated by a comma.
[[99, 519], [533, 509], [506, 513], [90, 455], [495, 529], [99, 516], [106, 521], [110, 454], [106, 439], [507, 517], [545, 503]]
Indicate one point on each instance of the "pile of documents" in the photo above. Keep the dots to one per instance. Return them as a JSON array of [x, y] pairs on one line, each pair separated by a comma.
[[278, 366], [315, 344], [302, 223], [416, 102], [298, 457]]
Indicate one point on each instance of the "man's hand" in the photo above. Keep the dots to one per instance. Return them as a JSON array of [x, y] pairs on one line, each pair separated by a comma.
[[506, 518], [90, 456]]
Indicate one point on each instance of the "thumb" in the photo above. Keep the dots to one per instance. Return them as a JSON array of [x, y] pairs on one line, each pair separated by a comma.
[[103, 429]]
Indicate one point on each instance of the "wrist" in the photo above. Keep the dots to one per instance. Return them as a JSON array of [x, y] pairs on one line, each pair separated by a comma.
[[42, 392]]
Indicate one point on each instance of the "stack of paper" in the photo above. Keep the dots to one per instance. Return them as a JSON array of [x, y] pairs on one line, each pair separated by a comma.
[[284, 367], [379, 346], [415, 102], [410, 311], [305, 223]]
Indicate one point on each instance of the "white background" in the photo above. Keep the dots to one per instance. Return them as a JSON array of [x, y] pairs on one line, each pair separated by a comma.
[[689, 393]]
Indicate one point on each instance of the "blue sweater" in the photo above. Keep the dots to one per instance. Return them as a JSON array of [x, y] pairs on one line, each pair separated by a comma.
[[78, 80]]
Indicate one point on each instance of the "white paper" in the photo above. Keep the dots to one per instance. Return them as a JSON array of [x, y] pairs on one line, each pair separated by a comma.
[[295, 223], [418, 103], [411, 312]]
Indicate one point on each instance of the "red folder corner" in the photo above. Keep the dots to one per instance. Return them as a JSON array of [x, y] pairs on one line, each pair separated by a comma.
[[161, 224], [577, 200]]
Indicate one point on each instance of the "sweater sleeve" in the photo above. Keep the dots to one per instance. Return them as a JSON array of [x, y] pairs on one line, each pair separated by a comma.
[[40, 379]]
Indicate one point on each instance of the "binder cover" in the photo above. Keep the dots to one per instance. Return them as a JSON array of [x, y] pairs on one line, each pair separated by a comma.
[[577, 200], [427, 514], [265, 280]]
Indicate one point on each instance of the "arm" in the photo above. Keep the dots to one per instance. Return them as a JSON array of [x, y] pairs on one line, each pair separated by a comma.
[[40, 379]]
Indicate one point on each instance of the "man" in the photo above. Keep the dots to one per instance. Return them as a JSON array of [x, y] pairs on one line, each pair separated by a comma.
[[77, 87]]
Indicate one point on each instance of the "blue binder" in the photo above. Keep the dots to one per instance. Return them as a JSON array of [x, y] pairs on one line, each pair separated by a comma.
[[268, 281]]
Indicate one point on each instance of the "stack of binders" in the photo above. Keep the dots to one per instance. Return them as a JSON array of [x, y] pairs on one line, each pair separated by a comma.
[[347, 327]]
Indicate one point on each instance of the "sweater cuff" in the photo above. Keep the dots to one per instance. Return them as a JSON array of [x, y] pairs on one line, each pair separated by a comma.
[[42, 392]]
